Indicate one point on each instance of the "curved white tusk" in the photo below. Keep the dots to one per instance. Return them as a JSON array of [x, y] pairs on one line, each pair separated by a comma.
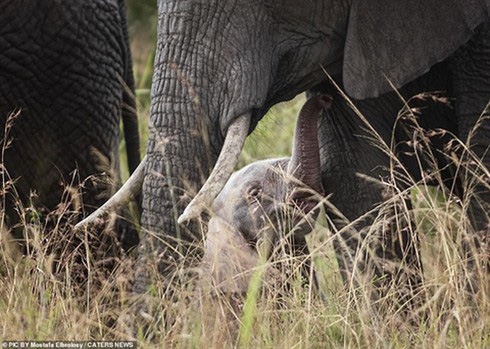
[[126, 193], [227, 160]]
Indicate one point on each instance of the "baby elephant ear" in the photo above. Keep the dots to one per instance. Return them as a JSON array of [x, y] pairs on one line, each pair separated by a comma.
[[401, 40]]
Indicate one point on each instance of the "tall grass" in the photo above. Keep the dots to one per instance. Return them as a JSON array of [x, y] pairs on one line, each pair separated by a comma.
[[39, 301]]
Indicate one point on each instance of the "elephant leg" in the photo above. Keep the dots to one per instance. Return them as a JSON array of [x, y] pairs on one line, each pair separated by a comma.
[[375, 238], [376, 244], [348, 159], [367, 163], [471, 79]]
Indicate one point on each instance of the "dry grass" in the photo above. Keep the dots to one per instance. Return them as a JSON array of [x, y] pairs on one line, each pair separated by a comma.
[[40, 299]]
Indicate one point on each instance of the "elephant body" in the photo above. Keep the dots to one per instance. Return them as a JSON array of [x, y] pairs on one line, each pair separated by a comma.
[[220, 60], [65, 72]]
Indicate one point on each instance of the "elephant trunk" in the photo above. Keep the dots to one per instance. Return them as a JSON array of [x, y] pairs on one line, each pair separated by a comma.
[[199, 94], [304, 165], [180, 149]]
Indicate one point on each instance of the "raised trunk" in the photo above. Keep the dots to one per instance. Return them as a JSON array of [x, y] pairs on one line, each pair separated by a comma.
[[305, 160]]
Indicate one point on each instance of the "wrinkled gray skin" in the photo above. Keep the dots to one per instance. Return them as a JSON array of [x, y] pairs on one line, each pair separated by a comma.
[[218, 59], [66, 65]]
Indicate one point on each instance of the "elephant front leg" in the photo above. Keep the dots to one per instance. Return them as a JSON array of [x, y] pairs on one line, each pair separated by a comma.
[[374, 241], [471, 79]]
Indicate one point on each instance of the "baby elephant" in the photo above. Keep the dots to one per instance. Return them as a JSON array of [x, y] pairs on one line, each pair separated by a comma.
[[265, 204]]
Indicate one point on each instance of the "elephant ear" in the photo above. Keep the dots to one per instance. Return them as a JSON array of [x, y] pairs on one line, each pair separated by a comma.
[[400, 40]]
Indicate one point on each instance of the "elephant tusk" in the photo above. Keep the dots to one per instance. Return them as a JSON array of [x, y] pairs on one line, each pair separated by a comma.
[[126, 193], [227, 160]]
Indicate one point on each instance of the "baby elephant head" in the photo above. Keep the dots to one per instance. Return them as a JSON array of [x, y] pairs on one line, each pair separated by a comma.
[[267, 200]]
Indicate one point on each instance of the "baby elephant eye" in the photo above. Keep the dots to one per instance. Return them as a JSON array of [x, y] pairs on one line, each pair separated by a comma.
[[254, 192]]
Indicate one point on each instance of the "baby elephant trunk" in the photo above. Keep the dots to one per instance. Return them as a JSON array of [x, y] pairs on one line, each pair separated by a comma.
[[304, 165]]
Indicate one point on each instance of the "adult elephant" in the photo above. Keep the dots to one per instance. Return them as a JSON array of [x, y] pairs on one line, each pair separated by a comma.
[[221, 65], [66, 74]]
